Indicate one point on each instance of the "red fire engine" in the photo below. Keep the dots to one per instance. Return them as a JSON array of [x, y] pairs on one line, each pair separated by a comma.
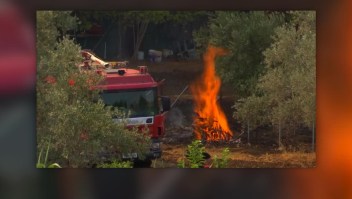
[[136, 92]]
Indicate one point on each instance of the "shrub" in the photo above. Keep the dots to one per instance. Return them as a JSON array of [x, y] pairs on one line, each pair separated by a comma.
[[116, 164], [223, 161], [194, 156]]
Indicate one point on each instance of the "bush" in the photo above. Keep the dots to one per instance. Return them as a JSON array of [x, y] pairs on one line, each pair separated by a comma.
[[223, 161], [78, 126], [195, 156], [41, 165], [116, 164]]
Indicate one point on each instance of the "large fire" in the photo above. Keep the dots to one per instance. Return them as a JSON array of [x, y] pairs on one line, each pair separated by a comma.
[[210, 121]]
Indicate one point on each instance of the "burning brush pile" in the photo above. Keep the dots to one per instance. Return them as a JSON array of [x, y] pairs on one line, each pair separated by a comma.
[[210, 123]]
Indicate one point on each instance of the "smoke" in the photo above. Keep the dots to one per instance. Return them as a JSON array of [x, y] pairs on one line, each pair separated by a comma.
[[175, 118]]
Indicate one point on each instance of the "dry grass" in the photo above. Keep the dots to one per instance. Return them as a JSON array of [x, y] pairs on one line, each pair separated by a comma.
[[243, 157], [274, 160]]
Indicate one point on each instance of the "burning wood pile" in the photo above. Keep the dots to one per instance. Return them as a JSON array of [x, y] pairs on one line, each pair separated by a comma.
[[210, 122], [210, 130]]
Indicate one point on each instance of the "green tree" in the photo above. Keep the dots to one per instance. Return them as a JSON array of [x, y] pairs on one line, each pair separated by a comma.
[[286, 89], [77, 128], [252, 113], [293, 53], [246, 35]]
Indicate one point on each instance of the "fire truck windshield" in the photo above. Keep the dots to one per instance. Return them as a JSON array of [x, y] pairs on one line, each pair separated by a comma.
[[136, 103]]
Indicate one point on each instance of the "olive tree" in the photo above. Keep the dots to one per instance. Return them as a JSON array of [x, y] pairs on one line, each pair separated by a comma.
[[293, 53], [71, 117], [246, 35]]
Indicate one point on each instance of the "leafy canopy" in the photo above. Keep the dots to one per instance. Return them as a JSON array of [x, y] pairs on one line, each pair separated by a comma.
[[79, 127]]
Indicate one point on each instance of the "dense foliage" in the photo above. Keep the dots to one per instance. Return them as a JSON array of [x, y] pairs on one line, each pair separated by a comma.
[[194, 156], [285, 95], [70, 115], [246, 35]]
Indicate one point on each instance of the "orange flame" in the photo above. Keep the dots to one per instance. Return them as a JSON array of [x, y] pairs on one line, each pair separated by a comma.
[[210, 122]]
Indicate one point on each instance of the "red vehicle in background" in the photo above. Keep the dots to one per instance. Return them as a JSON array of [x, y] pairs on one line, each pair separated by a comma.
[[135, 92]]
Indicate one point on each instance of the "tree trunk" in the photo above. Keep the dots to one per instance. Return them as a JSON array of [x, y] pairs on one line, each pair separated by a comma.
[[105, 50], [313, 136], [119, 48], [248, 133], [134, 37], [279, 134], [141, 30], [294, 130]]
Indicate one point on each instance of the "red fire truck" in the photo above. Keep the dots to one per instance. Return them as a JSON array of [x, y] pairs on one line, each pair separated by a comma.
[[136, 92]]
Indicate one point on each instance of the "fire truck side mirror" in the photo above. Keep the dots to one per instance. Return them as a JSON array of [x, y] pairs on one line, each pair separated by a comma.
[[166, 103]]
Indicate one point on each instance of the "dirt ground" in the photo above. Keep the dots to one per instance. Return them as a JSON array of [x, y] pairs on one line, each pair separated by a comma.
[[241, 157], [179, 131]]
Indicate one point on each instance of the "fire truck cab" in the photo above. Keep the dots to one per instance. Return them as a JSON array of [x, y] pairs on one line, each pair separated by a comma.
[[135, 92]]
